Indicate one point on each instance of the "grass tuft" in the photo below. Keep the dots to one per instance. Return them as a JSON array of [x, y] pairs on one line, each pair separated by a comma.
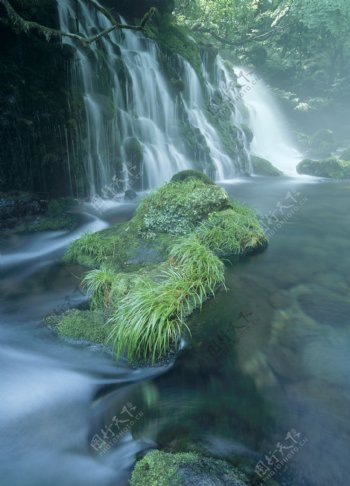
[[235, 231], [150, 320]]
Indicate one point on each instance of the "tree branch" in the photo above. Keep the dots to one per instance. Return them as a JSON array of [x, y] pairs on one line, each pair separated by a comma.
[[221, 39], [28, 25]]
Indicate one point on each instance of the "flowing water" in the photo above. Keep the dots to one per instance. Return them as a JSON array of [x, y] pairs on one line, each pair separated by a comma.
[[269, 355], [272, 139]]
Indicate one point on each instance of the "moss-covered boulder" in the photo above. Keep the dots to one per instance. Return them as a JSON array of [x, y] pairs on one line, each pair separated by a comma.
[[184, 469], [149, 274], [264, 167], [190, 173], [59, 216], [178, 207], [332, 168], [235, 231]]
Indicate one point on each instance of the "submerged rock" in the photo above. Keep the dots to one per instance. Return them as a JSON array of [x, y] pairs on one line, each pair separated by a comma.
[[184, 469], [264, 167]]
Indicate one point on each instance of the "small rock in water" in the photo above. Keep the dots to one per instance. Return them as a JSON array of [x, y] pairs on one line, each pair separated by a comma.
[[130, 195]]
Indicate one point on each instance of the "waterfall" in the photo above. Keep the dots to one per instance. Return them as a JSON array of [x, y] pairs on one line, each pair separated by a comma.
[[272, 138], [138, 131], [222, 95]]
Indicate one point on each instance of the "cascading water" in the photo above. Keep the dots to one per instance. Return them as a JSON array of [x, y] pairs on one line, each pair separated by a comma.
[[134, 122], [224, 85], [222, 99], [272, 139]]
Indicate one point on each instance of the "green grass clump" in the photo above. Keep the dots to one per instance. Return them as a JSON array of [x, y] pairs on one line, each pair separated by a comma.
[[91, 250], [106, 287], [235, 231], [81, 325], [99, 284], [111, 246], [151, 319], [178, 207], [199, 265]]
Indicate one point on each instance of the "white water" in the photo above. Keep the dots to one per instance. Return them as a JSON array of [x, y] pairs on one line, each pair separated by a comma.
[[222, 85], [272, 138], [144, 107]]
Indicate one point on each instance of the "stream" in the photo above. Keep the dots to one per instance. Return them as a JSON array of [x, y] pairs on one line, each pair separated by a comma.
[[268, 358]]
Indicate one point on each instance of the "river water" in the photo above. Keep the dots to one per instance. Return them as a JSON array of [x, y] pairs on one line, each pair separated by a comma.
[[268, 362]]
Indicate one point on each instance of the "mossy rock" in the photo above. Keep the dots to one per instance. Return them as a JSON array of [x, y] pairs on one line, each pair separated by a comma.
[[264, 167], [184, 469], [178, 85], [235, 231], [178, 207], [81, 325], [331, 168], [175, 40], [151, 273], [112, 246], [195, 174], [133, 150], [57, 217], [49, 223]]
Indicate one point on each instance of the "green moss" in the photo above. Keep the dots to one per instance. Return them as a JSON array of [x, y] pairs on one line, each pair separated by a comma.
[[223, 125], [112, 246], [195, 174], [235, 231], [163, 469], [264, 167], [176, 40], [178, 85], [332, 168], [81, 325], [177, 207], [63, 222], [57, 216], [133, 150]]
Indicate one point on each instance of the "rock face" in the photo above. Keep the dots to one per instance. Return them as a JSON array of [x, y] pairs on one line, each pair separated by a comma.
[[332, 168], [264, 167], [184, 469]]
